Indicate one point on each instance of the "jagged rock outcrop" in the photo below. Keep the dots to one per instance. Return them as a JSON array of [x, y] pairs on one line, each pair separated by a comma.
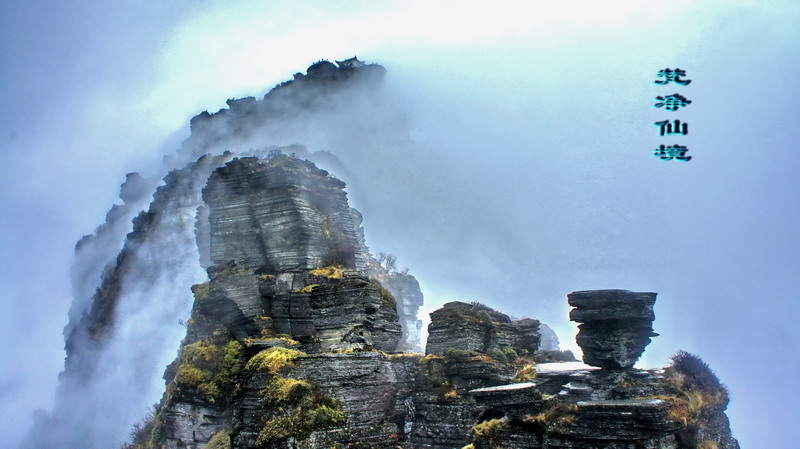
[[286, 216], [475, 327], [158, 250], [576, 406], [293, 338], [285, 277], [323, 87], [274, 225], [616, 325], [405, 288], [573, 405], [549, 339], [469, 346]]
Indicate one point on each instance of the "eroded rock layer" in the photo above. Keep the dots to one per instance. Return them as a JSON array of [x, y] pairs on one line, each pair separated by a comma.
[[616, 325], [293, 341], [475, 327], [571, 405], [277, 217]]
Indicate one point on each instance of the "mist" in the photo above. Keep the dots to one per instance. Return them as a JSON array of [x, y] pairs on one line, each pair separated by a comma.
[[507, 159]]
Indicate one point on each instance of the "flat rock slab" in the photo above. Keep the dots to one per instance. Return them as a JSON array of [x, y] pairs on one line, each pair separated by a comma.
[[562, 368]]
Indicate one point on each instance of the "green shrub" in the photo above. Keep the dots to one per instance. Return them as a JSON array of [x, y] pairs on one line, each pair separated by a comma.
[[497, 355], [312, 412], [509, 352], [192, 376], [208, 368], [220, 440], [457, 355], [484, 317], [285, 390]]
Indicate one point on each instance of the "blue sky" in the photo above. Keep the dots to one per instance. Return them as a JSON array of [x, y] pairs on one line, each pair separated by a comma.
[[528, 170]]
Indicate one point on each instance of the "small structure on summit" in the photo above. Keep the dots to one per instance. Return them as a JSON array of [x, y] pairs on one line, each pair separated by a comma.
[[352, 63], [616, 325]]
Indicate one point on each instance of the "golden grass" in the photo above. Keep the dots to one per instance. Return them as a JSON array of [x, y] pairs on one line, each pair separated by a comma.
[[273, 360], [526, 374], [489, 429], [331, 272]]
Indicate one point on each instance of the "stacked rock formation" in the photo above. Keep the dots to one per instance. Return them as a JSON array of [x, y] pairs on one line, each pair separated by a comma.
[[608, 405], [285, 281], [469, 346], [294, 340], [291, 339], [284, 351], [616, 325]]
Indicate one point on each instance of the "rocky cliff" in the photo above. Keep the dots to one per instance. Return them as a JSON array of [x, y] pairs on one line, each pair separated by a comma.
[[296, 336], [606, 403], [292, 344]]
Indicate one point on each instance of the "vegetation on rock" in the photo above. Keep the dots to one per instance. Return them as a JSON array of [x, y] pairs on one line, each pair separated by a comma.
[[384, 294], [273, 360], [554, 419], [331, 272], [297, 408], [526, 374], [697, 393], [490, 430], [209, 369], [308, 288], [220, 440], [200, 291]]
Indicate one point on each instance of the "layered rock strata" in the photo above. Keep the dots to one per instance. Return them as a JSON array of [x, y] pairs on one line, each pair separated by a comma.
[[573, 406], [609, 405], [324, 87], [469, 346], [475, 327], [285, 288], [405, 288], [292, 340], [616, 325]]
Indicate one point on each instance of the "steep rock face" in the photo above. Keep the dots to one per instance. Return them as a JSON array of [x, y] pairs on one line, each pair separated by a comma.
[[159, 250], [284, 216], [406, 290], [444, 409], [273, 224], [373, 390], [290, 342]]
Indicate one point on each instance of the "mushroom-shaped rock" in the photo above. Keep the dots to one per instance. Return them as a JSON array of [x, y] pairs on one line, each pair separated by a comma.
[[616, 325]]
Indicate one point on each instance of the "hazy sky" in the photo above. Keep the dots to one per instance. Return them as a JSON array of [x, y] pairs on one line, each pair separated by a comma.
[[529, 172]]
